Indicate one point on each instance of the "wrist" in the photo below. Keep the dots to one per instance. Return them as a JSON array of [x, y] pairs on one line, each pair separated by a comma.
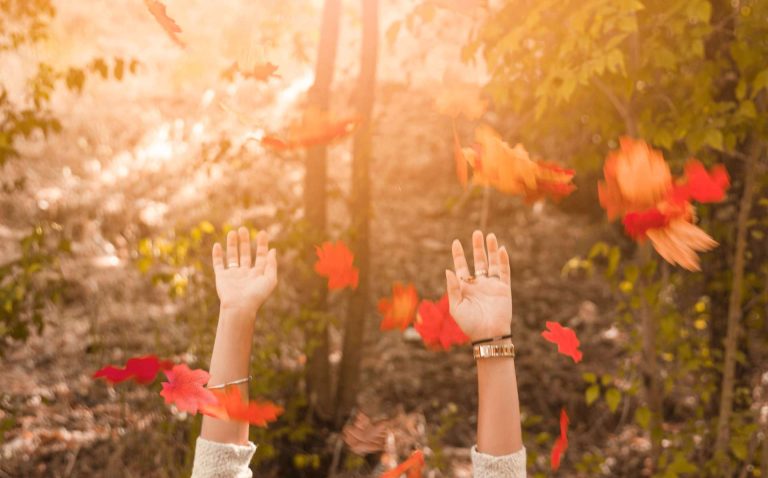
[[235, 314]]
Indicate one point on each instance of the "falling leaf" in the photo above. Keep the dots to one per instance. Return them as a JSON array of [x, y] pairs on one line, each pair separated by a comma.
[[185, 388], [455, 98], [229, 405], [511, 170], [335, 262], [679, 242], [702, 185], [399, 310], [639, 187], [364, 436], [412, 467], [143, 370], [259, 72], [315, 128], [157, 9], [636, 178], [561, 443], [438, 329], [565, 338]]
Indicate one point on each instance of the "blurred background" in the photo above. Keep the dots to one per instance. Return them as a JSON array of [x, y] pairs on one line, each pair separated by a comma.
[[126, 151]]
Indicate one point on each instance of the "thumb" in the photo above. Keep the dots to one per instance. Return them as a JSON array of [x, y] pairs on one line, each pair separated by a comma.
[[453, 288]]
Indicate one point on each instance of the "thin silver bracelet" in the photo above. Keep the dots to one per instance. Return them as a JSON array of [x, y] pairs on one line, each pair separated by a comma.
[[233, 382]]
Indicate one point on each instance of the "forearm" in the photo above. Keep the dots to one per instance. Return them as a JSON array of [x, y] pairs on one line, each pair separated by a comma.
[[230, 361], [498, 421]]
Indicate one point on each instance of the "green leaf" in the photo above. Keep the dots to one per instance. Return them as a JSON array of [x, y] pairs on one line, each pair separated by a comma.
[[714, 138], [761, 82], [589, 377], [613, 398], [747, 109], [592, 394], [643, 417]]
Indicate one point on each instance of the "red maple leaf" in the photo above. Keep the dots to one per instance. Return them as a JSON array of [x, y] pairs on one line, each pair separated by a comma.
[[142, 370], [561, 443], [412, 467], [335, 261], [185, 388], [157, 9], [565, 338], [230, 406], [400, 310], [438, 329]]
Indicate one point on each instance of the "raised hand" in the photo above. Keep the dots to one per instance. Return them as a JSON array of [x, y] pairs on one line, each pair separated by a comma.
[[240, 284], [481, 303]]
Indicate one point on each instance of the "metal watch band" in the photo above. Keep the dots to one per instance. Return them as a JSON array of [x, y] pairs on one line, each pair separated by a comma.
[[494, 350]]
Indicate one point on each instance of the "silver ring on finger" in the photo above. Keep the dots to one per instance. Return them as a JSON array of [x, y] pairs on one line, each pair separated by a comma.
[[232, 264], [481, 273]]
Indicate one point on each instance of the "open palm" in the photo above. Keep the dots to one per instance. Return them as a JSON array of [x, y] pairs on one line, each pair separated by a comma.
[[481, 304], [239, 284]]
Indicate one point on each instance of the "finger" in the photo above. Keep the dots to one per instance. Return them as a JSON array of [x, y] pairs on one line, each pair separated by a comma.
[[504, 271], [459, 260], [493, 255], [478, 252], [218, 257], [270, 270], [232, 249], [245, 247], [262, 249], [453, 287]]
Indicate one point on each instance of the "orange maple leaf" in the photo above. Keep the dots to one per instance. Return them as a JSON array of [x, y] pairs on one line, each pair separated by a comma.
[[231, 406], [412, 467], [636, 178], [511, 170], [315, 128], [400, 310], [157, 9], [335, 261]]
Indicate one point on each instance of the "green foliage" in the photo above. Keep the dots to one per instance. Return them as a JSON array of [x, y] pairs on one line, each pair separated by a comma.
[[30, 282], [449, 416]]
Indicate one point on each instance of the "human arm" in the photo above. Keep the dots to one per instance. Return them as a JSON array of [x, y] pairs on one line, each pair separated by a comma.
[[483, 309], [242, 285]]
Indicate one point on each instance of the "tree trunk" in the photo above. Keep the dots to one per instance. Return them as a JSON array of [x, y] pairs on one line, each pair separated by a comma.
[[650, 369], [734, 307], [361, 213], [315, 195]]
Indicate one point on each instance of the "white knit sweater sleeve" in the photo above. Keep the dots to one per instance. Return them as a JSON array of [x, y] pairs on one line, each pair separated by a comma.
[[222, 460], [507, 466]]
